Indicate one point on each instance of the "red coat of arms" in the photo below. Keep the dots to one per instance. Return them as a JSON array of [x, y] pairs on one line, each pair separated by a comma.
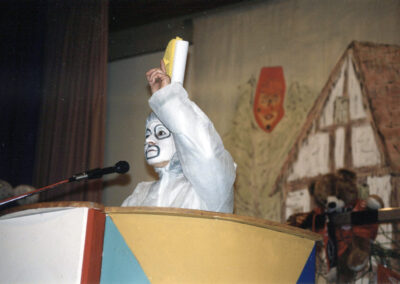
[[268, 102]]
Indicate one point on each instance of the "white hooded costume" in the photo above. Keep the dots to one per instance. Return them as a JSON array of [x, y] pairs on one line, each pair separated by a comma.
[[201, 173]]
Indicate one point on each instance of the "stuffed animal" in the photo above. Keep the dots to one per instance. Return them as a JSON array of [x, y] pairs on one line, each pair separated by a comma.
[[347, 247], [7, 191]]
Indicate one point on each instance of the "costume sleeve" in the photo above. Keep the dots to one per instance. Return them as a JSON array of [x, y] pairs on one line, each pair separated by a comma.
[[205, 162], [138, 195]]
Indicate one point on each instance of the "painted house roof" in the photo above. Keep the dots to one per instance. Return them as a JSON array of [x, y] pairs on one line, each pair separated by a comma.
[[379, 67], [378, 70]]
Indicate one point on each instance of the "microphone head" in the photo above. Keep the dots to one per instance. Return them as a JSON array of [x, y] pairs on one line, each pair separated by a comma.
[[122, 167]]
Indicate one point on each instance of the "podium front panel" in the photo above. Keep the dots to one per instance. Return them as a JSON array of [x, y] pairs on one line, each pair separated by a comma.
[[201, 247], [51, 245]]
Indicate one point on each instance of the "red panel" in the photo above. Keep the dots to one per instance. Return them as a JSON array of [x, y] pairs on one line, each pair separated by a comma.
[[385, 275], [93, 251], [268, 102]]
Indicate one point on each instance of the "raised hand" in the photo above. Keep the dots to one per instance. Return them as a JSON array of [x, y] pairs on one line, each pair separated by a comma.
[[158, 78]]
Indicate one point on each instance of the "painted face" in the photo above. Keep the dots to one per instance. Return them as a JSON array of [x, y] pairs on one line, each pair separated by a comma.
[[159, 146]]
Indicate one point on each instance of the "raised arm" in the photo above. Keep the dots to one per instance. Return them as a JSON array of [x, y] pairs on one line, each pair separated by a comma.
[[205, 162]]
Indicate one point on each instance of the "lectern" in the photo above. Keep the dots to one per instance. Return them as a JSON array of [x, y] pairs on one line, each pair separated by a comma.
[[87, 243], [52, 243]]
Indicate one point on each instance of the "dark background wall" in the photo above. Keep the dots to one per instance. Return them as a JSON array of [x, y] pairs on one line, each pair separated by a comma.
[[22, 29]]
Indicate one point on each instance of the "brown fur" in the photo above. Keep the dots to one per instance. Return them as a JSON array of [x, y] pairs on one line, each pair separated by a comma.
[[343, 185]]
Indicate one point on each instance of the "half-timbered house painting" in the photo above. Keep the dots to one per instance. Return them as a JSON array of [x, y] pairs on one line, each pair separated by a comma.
[[354, 124]]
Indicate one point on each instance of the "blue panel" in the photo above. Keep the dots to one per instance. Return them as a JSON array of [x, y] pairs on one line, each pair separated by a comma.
[[308, 273], [119, 265]]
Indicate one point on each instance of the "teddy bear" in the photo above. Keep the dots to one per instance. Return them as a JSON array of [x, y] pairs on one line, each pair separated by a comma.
[[7, 191], [347, 248]]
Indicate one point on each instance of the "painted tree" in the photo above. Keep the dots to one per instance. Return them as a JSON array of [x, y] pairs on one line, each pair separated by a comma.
[[259, 155]]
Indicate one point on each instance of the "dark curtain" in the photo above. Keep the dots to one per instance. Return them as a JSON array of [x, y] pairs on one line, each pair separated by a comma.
[[22, 28], [72, 123]]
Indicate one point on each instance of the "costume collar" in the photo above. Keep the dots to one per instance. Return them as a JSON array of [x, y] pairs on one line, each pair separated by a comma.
[[173, 167]]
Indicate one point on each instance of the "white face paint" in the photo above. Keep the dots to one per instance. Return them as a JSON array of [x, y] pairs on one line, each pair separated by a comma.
[[159, 146]]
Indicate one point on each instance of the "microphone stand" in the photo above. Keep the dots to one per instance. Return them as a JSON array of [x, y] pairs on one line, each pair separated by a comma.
[[121, 167], [24, 195]]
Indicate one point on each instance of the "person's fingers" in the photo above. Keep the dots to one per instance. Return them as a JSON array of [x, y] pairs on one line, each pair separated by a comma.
[[158, 74], [157, 77], [152, 76], [148, 77], [162, 64], [150, 72], [165, 80], [163, 76]]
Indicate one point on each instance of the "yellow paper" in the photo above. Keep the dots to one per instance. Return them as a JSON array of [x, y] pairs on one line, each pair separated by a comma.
[[169, 55]]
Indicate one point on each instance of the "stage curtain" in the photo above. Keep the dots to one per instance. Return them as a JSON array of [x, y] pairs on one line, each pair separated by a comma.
[[21, 70], [72, 127]]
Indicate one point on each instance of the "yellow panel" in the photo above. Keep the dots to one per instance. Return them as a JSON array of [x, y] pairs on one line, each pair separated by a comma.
[[187, 249]]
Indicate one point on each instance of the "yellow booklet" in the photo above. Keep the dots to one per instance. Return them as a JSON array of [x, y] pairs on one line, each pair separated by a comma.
[[169, 55]]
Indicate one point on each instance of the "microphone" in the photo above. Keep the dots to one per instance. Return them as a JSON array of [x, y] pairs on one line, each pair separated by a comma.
[[121, 167]]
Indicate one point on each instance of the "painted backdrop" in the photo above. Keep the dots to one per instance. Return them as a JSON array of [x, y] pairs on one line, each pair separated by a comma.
[[230, 47]]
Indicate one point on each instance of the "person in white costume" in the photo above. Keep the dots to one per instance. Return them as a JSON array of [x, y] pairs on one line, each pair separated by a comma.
[[195, 170]]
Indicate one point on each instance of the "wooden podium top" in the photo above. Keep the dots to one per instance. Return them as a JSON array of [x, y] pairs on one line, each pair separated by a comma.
[[267, 224], [262, 223]]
